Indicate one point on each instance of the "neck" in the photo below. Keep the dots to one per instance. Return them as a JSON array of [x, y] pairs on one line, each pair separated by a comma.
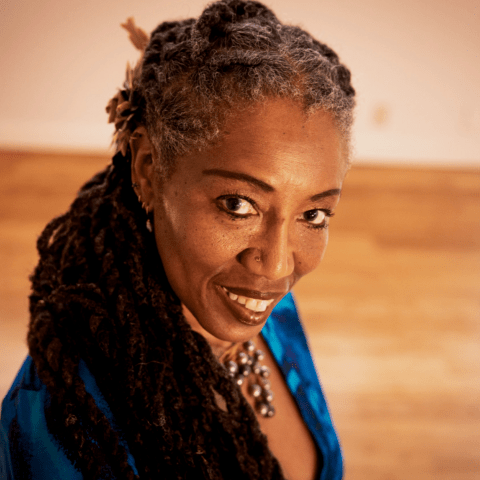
[[220, 348]]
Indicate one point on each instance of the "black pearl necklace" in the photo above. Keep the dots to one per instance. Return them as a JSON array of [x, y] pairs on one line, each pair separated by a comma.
[[244, 367]]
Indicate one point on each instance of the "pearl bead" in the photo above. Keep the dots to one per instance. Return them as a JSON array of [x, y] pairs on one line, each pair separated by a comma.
[[268, 395], [262, 409], [259, 355], [265, 371], [242, 358], [232, 367], [266, 384], [255, 390], [249, 346], [245, 370]]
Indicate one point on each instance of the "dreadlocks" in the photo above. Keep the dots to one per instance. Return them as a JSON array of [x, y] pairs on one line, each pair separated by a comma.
[[99, 291]]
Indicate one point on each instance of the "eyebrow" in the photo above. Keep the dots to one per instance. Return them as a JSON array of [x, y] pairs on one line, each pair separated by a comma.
[[240, 176], [259, 183], [327, 193]]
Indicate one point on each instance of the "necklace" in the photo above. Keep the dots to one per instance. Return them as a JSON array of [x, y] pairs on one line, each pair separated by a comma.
[[243, 364]]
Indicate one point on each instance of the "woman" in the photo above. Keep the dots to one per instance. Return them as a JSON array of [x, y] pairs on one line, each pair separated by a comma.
[[151, 292]]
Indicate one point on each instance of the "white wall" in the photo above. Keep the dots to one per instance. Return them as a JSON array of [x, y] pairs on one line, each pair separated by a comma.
[[416, 69]]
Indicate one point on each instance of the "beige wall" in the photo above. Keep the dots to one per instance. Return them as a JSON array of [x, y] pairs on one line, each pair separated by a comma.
[[416, 69]]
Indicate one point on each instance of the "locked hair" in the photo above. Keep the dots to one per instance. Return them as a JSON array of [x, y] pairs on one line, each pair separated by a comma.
[[100, 294], [195, 72]]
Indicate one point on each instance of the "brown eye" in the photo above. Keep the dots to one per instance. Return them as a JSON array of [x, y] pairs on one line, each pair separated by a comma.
[[238, 205], [315, 217], [233, 203]]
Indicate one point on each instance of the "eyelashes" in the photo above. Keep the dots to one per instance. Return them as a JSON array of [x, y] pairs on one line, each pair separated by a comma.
[[317, 218], [241, 207], [238, 206]]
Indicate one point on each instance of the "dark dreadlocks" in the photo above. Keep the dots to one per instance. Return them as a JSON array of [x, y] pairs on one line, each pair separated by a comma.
[[99, 291]]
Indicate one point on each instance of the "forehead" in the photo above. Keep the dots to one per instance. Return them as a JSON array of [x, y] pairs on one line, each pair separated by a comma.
[[277, 142], [277, 115]]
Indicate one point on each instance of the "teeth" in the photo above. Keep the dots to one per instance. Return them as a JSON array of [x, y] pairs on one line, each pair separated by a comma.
[[242, 300], [263, 304], [250, 303]]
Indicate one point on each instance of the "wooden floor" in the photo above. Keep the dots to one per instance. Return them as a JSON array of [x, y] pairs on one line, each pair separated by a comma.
[[393, 313]]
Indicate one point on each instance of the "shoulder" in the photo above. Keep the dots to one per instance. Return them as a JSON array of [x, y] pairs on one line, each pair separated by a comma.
[[27, 449]]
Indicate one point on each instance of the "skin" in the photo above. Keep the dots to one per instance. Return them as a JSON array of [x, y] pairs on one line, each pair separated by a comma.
[[233, 215]]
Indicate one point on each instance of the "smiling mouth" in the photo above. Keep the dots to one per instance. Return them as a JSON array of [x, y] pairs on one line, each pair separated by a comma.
[[253, 304]]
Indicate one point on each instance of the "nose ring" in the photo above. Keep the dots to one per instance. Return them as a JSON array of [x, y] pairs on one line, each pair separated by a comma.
[[257, 258]]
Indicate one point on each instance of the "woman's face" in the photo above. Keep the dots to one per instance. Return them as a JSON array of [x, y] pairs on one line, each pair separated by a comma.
[[239, 223]]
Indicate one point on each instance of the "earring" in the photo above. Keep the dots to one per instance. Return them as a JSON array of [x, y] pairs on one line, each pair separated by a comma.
[[149, 225], [149, 222]]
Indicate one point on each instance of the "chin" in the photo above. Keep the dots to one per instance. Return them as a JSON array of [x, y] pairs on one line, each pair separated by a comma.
[[235, 318]]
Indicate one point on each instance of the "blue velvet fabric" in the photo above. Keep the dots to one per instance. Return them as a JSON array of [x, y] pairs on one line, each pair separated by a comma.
[[29, 451]]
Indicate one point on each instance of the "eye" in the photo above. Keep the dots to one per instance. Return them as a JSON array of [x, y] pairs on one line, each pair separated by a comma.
[[238, 206], [316, 218]]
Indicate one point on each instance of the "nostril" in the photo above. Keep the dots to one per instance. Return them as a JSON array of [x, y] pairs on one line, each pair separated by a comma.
[[271, 263]]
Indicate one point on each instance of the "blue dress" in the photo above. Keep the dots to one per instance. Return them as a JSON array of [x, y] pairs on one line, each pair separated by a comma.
[[29, 451]]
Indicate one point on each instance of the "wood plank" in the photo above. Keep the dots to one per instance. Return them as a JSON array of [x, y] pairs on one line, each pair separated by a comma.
[[393, 312]]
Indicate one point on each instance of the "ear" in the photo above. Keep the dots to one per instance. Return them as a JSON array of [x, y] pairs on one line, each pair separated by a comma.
[[142, 166]]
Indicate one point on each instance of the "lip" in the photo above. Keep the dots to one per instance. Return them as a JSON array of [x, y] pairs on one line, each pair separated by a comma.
[[245, 292], [242, 314]]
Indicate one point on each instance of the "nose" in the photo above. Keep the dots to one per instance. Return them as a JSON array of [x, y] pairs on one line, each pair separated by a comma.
[[271, 253]]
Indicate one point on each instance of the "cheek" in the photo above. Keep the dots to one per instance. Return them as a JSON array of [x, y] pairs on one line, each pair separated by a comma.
[[221, 244], [195, 244], [310, 252]]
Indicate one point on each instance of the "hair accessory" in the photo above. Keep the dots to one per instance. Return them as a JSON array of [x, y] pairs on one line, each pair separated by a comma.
[[123, 109], [247, 367]]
